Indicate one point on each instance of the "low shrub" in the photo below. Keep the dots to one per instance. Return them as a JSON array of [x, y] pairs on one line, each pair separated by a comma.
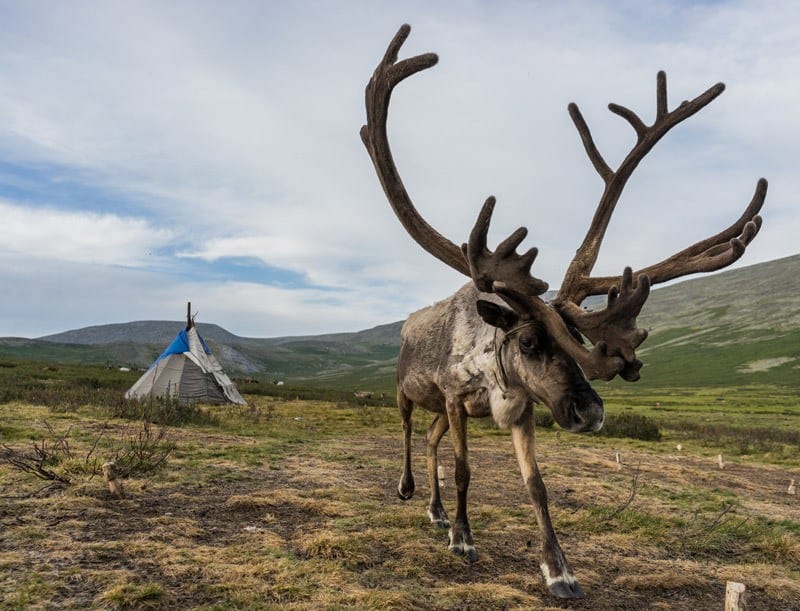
[[743, 439], [633, 426], [543, 418], [289, 393], [56, 457], [159, 410]]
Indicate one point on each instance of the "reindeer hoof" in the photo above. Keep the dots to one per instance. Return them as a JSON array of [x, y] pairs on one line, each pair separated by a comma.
[[461, 545], [440, 523], [405, 492], [565, 589], [438, 517], [465, 551]]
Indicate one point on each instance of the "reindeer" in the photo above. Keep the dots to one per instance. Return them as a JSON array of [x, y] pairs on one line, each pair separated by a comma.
[[495, 348]]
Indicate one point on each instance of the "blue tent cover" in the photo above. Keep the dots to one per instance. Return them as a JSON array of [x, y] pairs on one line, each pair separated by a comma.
[[180, 345]]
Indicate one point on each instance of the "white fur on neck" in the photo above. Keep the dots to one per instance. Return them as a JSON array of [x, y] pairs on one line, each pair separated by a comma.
[[507, 406]]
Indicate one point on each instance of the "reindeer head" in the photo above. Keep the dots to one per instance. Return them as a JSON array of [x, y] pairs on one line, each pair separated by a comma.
[[553, 360], [528, 358]]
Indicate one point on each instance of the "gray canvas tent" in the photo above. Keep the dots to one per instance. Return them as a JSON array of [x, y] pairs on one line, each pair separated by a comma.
[[188, 372]]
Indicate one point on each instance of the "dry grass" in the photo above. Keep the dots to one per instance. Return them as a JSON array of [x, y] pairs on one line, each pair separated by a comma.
[[301, 512]]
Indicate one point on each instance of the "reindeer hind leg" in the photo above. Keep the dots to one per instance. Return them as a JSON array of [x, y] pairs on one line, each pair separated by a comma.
[[405, 489], [436, 511]]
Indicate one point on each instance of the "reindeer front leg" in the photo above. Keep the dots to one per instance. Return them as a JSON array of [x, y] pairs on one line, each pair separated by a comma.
[[460, 532], [557, 574]]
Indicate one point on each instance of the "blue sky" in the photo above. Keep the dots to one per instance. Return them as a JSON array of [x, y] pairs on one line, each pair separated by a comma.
[[156, 153]]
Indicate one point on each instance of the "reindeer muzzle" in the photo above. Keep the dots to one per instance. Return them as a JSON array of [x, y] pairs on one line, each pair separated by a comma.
[[580, 412]]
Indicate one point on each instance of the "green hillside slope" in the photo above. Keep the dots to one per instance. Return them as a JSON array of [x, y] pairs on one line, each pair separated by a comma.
[[737, 327], [734, 328]]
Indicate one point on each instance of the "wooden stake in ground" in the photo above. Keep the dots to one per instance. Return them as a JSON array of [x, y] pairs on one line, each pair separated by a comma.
[[792, 488], [114, 485], [720, 461], [735, 597]]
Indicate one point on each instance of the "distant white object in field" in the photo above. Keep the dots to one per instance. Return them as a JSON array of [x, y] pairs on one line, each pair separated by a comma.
[[619, 461], [720, 462], [124, 368], [679, 447], [440, 473], [792, 488]]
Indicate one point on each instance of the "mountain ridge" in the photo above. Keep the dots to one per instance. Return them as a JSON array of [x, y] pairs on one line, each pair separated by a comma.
[[719, 323]]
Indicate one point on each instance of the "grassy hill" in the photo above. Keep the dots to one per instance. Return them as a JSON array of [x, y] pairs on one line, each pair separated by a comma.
[[737, 327], [364, 359], [733, 328]]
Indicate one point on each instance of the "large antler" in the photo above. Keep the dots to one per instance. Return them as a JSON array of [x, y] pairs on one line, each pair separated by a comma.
[[483, 266], [613, 330], [616, 325]]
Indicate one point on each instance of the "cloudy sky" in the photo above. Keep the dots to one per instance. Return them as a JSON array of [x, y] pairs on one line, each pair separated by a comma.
[[156, 153]]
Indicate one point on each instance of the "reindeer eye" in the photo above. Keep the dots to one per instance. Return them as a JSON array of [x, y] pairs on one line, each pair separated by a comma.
[[526, 343]]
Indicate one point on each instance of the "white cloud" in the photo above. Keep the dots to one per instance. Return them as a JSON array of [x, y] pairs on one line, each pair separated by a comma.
[[39, 296], [233, 132], [48, 234]]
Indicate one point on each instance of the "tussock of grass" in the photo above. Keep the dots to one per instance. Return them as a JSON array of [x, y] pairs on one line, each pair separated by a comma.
[[167, 528], [354, 548], [632, 426], [484, 595], [247, 503], [780, 547], [135, 596]]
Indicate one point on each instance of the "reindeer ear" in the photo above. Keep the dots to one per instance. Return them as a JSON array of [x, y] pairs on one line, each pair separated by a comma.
[[497, 315]]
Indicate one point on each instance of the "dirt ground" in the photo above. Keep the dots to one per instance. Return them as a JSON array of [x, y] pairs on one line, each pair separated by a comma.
[[323, 528]]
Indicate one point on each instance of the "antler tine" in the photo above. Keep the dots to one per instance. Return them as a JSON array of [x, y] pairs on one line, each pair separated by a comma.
[[614, 328], [503, 265], [707, 255], [597, 363], [386, 77], [473, 259], [647, 136]]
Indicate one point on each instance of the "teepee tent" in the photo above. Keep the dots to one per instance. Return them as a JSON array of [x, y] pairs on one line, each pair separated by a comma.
[[188, 372]]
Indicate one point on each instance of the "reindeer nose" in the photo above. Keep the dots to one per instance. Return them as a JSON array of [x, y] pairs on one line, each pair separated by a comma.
[[589, 417], [586, 411]]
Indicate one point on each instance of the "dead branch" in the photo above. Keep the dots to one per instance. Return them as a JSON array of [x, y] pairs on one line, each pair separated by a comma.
[[60, 441], [725, 510], [32, 462], [631, 496], [144, 451]]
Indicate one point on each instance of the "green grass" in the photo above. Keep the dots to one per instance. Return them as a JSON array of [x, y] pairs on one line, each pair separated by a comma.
[[718, 360], [314, 481], [125, 353]]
